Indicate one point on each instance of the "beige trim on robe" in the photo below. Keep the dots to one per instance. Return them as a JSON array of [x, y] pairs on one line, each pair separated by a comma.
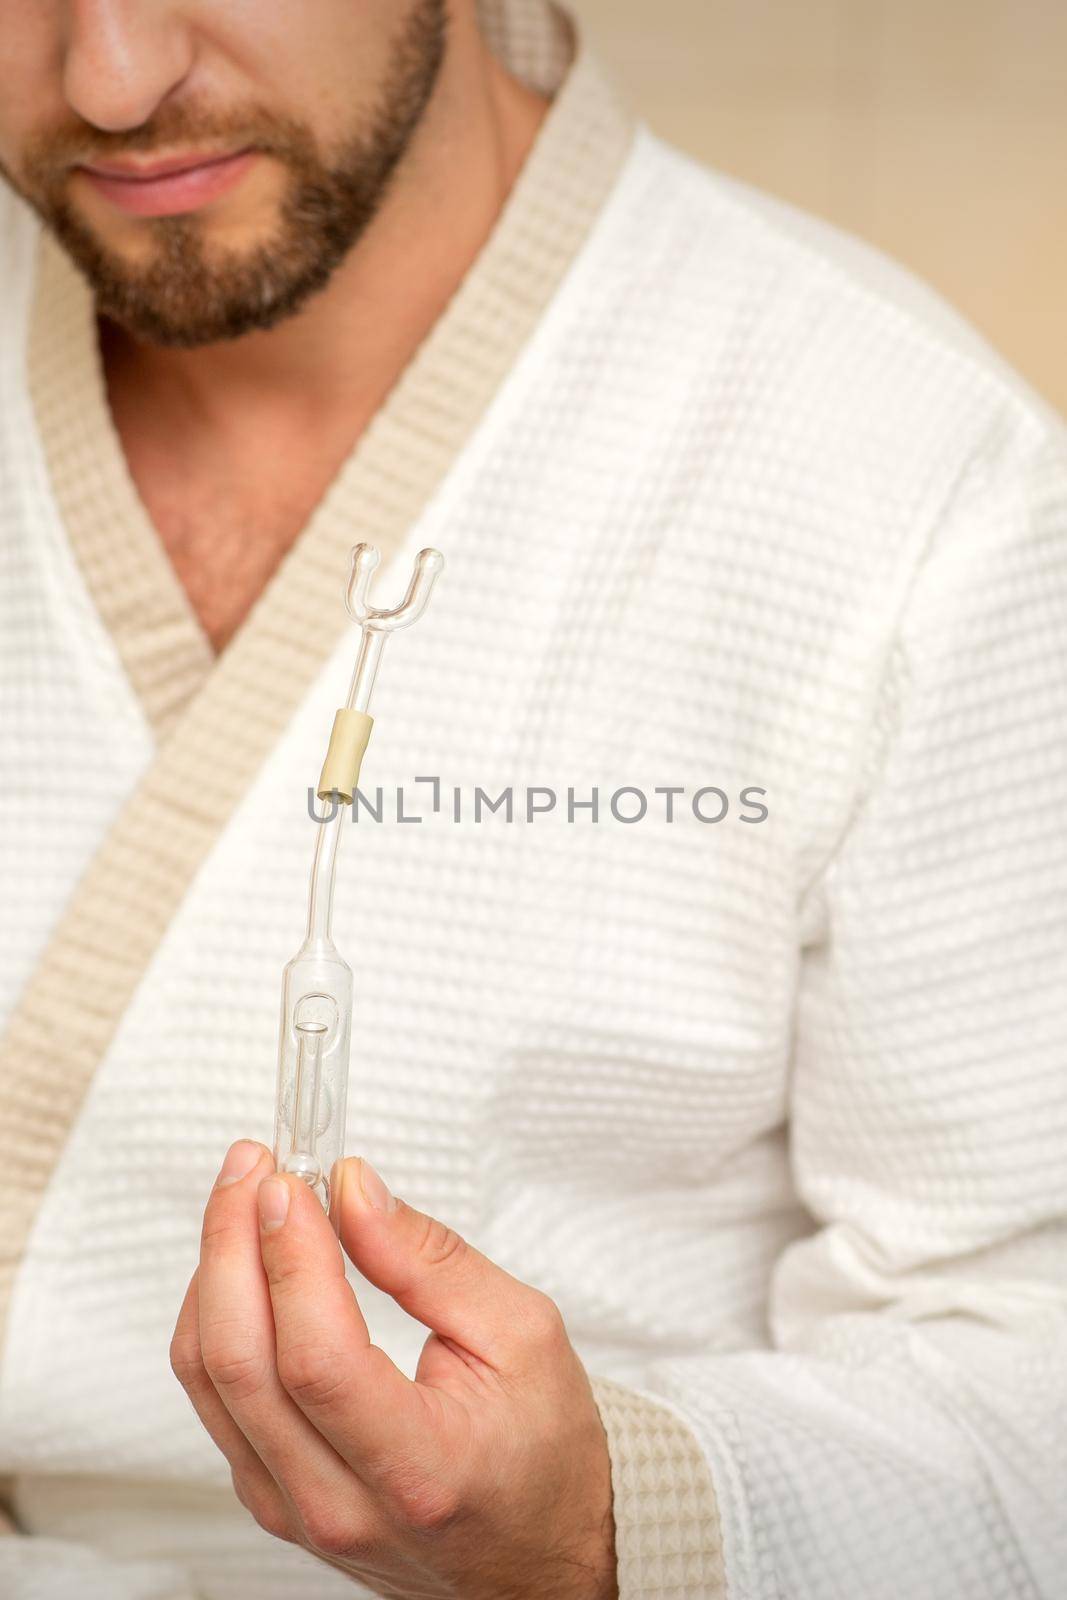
[[217, 719], [163, 649]]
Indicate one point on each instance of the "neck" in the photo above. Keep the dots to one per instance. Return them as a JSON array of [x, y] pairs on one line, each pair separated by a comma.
[[339, 356]]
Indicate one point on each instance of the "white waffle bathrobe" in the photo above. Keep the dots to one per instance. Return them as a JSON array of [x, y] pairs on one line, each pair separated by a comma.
[[777, 1112]]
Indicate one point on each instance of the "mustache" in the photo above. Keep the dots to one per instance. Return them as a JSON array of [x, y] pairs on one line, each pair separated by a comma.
[[51, 151]]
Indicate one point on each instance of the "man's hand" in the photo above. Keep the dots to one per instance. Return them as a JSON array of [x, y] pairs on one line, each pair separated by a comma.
[[487, 1478]]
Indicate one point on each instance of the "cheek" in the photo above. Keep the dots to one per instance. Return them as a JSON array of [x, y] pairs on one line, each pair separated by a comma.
[[31, 75], [322, 61]]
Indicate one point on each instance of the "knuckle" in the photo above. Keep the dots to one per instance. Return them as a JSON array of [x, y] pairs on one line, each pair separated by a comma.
[[187, 1362], [545, 1322], [312, 1375], [434, 1511], [220, 1224], [439, 1243], [263, 1508], [289, 1273], [333, 1533], [425, 1504], [240, 1375], [234, 1364]]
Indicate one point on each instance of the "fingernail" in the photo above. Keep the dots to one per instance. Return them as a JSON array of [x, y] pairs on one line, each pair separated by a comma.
[[374, 1191], [240, 1159], [273, 1196]]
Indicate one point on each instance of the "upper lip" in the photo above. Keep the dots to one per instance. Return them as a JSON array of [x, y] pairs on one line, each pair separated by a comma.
[[166, 167]]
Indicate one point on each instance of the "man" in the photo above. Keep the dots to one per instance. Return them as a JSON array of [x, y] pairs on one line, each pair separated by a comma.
[[724, 1081]]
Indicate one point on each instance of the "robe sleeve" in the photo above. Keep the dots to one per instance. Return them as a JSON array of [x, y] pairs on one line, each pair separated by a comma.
[[34, 1568], [905, 1431]]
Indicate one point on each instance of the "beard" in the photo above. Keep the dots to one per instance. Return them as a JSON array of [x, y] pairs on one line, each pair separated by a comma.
[[188, 292]]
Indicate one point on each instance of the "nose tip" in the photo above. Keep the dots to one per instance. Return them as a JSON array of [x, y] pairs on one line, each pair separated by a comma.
[[121, 63]]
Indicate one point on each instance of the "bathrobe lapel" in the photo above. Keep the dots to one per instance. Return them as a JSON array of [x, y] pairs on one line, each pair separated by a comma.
[[215, 720]]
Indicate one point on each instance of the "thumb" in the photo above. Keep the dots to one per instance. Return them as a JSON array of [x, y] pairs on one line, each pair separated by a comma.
[[432, 1272]]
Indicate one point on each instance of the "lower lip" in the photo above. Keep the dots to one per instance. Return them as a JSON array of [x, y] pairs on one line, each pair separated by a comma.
[[169, 195]]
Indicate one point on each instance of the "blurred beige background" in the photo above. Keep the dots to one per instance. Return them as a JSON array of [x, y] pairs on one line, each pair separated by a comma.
[[937, 129]]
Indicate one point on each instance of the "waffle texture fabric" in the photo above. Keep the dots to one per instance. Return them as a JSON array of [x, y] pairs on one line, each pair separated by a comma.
[[775, 1109]]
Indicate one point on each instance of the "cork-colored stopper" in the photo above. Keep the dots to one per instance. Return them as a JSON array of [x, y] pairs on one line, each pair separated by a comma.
[[340, 770]]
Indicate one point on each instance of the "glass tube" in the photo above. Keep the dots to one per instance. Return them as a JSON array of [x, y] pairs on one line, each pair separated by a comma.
[[316, 1013], [314, 1034]]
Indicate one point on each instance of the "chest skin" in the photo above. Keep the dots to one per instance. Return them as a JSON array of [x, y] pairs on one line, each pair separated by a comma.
[[227, 496], [225, 546]]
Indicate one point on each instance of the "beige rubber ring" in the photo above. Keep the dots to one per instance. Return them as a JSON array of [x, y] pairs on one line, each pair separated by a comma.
[[340, 770]]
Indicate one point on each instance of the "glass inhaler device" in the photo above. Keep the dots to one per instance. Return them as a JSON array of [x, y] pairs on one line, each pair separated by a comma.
[[316, 1010]]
